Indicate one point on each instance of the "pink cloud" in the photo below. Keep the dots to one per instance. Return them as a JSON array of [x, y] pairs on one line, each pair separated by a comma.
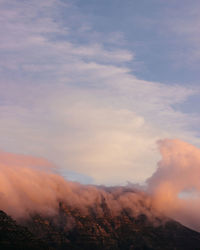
[[176, 183]]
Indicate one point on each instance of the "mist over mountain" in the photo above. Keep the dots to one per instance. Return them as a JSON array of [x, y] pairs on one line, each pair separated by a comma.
[[59, 214], [71, 228]]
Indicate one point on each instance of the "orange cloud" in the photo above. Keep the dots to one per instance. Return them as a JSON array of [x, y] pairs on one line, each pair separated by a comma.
[[176, 183], [28, 186]]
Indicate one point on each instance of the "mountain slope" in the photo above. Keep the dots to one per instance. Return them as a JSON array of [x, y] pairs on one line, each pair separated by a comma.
[[70, 229], [14, 236]]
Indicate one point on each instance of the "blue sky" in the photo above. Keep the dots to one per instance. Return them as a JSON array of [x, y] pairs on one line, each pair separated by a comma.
[[92, 85], [159, 32]]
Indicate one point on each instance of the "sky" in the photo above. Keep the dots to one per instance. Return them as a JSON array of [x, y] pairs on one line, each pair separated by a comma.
[[93, 85]]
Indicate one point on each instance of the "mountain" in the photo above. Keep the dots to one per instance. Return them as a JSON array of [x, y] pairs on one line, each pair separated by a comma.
[[70, 229], [14, 236]]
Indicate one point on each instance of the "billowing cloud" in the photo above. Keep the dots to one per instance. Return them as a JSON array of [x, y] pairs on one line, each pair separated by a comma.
[[175, 185], [28, 186]]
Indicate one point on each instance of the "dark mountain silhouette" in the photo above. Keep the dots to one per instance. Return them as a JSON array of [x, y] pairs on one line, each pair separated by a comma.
[[70, 229], [14, 236]]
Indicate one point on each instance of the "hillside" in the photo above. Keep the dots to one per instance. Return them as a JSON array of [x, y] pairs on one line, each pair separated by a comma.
[[70, 229]]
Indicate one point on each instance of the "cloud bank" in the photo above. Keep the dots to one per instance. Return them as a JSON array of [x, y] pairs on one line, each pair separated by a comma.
[[28, 185]]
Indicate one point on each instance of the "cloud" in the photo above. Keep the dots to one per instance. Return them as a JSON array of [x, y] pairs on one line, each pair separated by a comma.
[[76, 102], [28, 187], [31, 185], [22, 181], [175, 185], [89, 131], [183, 23]]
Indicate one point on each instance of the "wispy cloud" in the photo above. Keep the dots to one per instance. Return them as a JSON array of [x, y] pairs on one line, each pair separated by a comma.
[[77, 103], [183, 23]]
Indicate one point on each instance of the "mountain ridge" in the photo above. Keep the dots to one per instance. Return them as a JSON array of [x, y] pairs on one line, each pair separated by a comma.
[[71, 229]]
